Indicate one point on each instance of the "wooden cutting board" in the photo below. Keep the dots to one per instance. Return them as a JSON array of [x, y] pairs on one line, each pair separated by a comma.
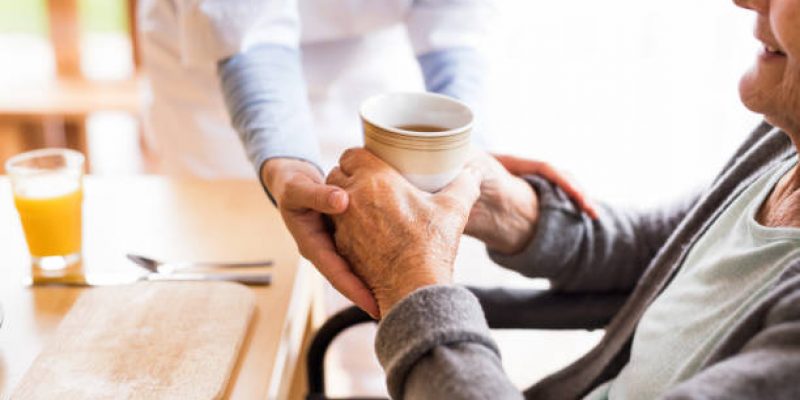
[[150, 340]]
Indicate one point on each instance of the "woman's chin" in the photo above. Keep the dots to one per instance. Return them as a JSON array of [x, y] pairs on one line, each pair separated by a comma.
[[747, 93], [755, 88]]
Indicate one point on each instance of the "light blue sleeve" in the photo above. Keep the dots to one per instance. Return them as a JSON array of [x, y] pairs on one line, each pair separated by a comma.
[[267, 101], [266, 98], [461, 74]]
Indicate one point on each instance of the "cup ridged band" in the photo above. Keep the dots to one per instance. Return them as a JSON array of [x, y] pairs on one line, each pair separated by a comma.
[[420, 143]]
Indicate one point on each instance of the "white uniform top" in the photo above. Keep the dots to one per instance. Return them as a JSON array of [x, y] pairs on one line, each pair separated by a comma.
[[351, 49]]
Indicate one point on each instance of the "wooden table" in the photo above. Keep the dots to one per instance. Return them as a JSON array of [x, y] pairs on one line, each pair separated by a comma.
[[193, 220]]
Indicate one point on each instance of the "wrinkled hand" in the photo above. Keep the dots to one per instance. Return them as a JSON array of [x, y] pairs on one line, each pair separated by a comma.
[[506, 214], [397, 237], [303, 198]]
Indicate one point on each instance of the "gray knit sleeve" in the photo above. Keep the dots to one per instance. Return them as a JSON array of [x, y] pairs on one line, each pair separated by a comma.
[[577, 253], [435, 344]]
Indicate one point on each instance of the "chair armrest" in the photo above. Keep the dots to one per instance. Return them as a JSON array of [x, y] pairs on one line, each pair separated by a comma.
[[547, 309], [315, 359], [504, 309]]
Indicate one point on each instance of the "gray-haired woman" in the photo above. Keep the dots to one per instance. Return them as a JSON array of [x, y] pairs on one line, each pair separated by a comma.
[[714, 306]]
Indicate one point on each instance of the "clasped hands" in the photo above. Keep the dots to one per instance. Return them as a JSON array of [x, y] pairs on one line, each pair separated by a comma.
[[398, 238]]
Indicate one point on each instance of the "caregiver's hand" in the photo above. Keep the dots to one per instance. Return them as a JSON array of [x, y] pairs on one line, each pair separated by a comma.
[[397, 237], [507, 212], [521, 166], [303, 198]]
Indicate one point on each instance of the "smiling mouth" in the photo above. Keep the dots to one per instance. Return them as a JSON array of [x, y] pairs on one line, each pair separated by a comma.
[[773, 50]]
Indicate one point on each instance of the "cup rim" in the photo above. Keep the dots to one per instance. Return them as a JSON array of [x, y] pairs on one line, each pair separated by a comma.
[[75, 159], [404, 132]]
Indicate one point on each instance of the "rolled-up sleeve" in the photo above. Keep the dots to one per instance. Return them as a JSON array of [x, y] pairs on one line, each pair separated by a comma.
[[266, 98], [460, 73], [449, 38], [212, 30], [446, 24], [255, 46]]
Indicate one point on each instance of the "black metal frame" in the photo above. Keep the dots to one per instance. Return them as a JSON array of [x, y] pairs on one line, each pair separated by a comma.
[[504, 309]]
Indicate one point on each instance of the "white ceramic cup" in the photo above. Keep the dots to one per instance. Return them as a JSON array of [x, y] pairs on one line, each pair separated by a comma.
[[398, 129]]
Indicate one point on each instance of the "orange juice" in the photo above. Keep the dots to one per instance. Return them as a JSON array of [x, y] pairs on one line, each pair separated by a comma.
[[50, 211]]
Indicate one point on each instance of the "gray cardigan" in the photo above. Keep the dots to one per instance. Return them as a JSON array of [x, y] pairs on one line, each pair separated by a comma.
[[435, 343]]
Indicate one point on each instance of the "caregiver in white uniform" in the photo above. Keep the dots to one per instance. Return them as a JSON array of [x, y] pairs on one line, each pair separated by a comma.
[[292, 74]]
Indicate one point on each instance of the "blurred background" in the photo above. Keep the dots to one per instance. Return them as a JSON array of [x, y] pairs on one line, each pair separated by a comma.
[[636, 100], [600, 90], [68, 77]]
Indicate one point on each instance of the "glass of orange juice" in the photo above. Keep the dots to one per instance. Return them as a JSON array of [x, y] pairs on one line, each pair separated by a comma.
[[48, 193]]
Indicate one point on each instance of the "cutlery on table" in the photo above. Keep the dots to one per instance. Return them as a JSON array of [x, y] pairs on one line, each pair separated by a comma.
[[255, 279], [171, 267]]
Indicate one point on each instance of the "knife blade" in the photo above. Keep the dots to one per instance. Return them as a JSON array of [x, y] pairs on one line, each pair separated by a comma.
[[92, 280], [166, 267]]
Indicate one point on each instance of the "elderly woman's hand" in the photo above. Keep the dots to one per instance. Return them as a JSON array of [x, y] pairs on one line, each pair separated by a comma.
[[506, 214], [397, 237]]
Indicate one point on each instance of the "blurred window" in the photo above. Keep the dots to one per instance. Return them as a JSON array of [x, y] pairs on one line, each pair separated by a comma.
[[30, 16], [104, 15], [23, 16]]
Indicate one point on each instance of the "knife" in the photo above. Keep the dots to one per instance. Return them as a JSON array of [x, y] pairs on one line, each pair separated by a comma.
[[163, 267], [91, 280]]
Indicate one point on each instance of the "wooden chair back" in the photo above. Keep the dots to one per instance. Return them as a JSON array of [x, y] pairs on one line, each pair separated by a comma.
[[54, 114]]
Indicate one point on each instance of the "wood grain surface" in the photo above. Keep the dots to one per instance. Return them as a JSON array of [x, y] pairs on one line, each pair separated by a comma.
[[144, 341], [169, 219]]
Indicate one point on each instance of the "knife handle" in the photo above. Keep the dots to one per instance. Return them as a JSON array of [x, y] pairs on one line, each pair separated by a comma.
[[245, 278], [187, 266]]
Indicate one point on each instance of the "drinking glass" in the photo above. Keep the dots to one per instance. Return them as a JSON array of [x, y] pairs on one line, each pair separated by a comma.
[[48, 193]]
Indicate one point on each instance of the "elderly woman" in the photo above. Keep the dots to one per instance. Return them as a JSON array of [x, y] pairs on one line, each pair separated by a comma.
[[714, 309]]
